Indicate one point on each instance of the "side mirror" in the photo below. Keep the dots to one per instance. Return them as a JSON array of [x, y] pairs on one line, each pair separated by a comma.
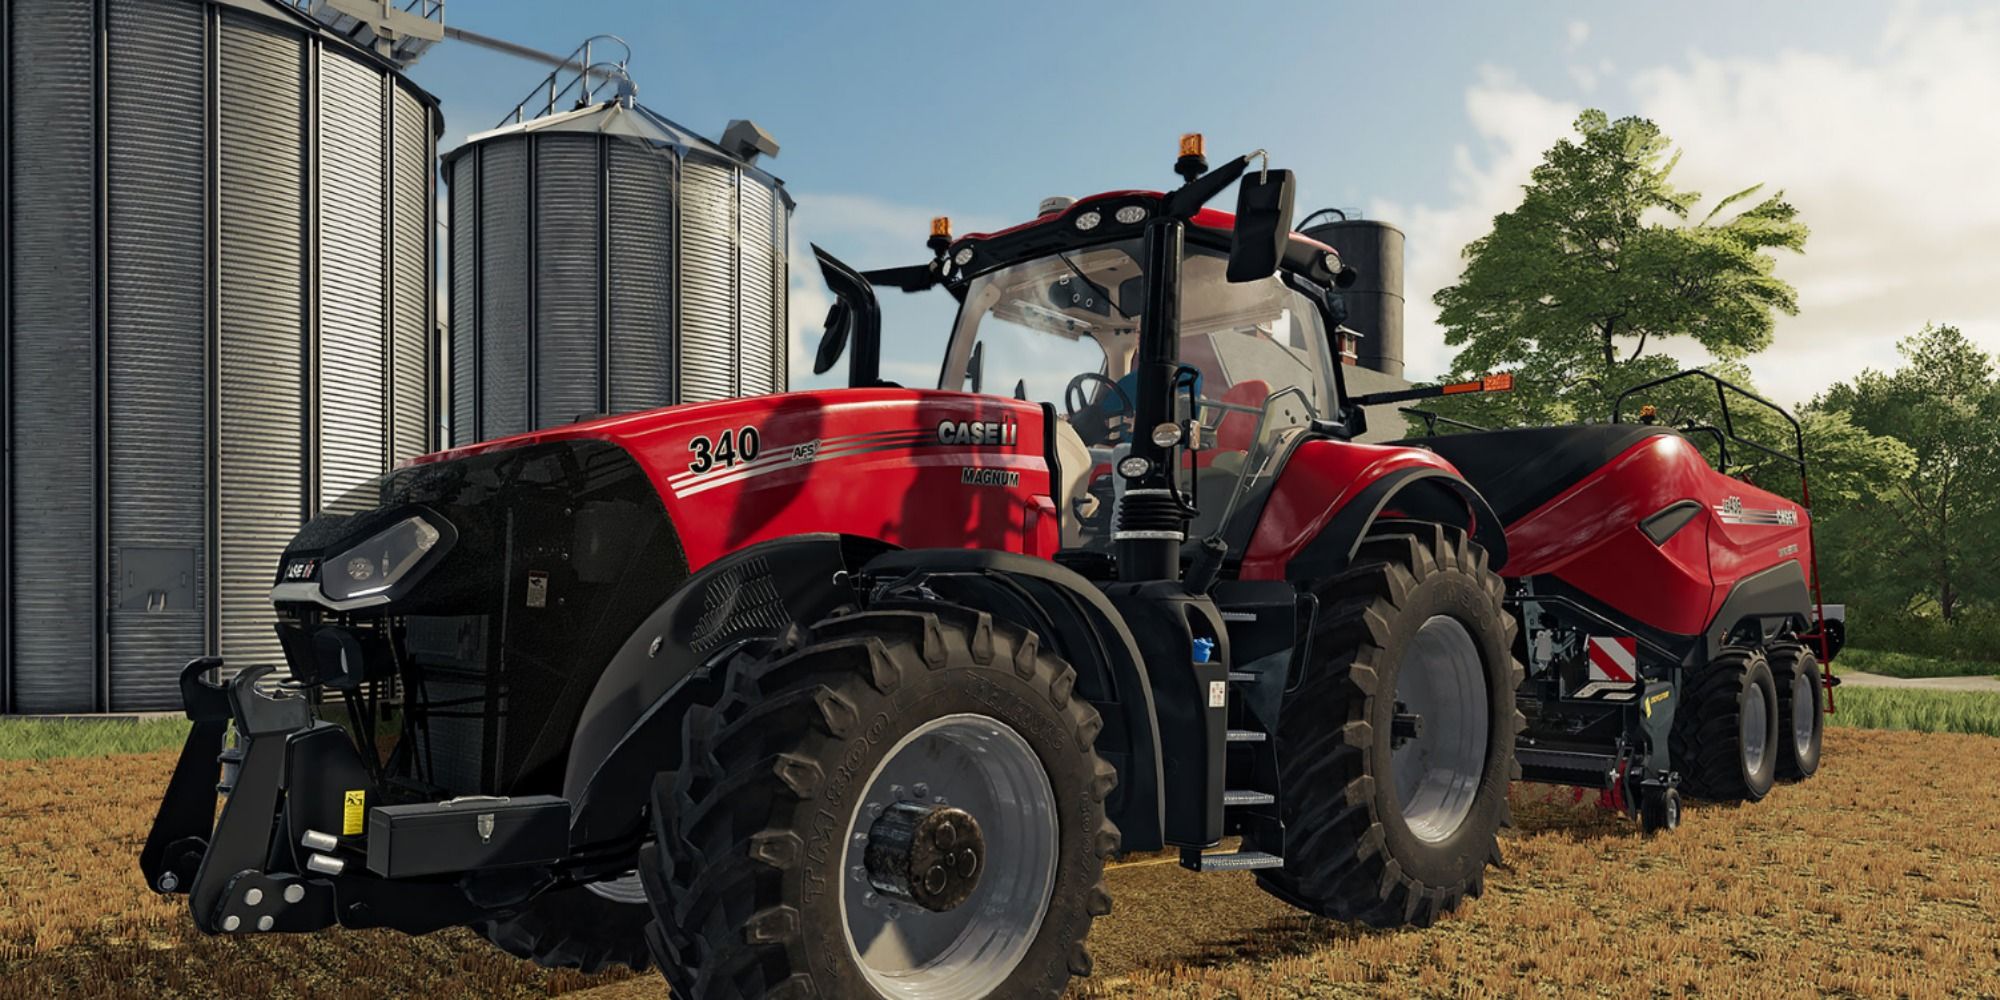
[[855, 317], [1263, 224], [839, 321], [975, 369]]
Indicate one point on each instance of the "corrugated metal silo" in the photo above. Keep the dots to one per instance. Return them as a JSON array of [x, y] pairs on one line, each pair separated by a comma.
[[218, 318], [1375, 303], [606, 260]]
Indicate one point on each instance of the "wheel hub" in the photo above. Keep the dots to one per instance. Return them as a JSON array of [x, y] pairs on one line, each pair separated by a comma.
[[930, 855]]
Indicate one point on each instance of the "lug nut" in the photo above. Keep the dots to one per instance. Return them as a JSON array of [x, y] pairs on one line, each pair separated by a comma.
[[265, 922], [231, 922], [253, 897], [295, 893], [169, 882]]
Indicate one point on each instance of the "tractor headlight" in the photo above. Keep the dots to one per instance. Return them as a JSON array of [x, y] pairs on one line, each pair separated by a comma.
[[380, 562]]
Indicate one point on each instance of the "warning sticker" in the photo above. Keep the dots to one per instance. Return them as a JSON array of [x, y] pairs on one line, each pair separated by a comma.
[[538, 589], [1218, 694], [354, 813]]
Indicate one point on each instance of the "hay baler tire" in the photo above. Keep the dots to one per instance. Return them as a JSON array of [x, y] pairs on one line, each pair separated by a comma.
[[1724, 734], [756, 880], [1801, 703], [1360, 844]]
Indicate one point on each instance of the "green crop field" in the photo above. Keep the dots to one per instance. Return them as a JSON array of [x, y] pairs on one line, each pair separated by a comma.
[[1975, 712], [46, 739]]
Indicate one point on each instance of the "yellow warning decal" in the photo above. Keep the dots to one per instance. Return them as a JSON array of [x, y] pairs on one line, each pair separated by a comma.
[[354, 812], [1654, 700]]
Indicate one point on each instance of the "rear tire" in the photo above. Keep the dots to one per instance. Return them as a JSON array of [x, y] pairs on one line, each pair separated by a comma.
[[1725, 740], [574, 928], [758, 883], [1801, 700], [1417, 620]]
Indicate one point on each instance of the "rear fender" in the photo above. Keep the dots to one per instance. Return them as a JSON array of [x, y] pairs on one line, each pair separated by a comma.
[[1423, 493], [630, 728], [1071, 616]]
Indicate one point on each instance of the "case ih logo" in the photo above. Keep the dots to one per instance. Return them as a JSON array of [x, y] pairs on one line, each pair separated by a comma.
[[1732, 511], [300, 569], [1001, 432]]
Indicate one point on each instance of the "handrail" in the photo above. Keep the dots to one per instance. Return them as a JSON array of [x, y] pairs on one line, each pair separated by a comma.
[[590, 78], [1432, 418]]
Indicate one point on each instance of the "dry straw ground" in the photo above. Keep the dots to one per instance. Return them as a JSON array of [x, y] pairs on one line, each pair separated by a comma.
[[1881, 877]]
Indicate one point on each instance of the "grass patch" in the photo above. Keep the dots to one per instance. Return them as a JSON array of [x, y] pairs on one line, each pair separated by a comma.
[[1975, 712], [46, 739], [1912, 664]]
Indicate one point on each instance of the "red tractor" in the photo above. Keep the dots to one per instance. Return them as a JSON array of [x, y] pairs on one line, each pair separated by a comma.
[[851, 693]]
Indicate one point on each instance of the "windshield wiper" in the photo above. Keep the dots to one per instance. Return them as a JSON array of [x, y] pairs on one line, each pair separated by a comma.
[[1094, 286]]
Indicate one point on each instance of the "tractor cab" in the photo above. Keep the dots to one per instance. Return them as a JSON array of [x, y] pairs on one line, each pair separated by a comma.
[[1176, 360]]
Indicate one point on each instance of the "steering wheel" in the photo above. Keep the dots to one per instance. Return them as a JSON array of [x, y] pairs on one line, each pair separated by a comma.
[[1073, 400]]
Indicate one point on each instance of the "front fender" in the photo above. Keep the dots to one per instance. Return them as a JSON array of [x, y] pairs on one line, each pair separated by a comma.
[[629, 729], [1331, 493]]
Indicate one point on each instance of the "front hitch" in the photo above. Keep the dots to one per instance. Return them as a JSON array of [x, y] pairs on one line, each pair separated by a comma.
[[181, 854]]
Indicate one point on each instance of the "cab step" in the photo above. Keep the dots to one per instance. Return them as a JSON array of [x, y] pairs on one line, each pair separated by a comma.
[[1246, 736], [1241, 677], [1244, 797], [1229, 861]]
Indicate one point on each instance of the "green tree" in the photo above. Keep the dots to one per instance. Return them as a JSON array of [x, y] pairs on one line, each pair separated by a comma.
[[1599, 262], [1926, 540]]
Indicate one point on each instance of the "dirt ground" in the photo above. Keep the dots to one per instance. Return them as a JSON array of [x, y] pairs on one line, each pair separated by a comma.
[[1881, 877]]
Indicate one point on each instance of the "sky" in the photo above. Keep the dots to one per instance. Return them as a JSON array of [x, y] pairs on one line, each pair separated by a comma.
[[1878, 120]]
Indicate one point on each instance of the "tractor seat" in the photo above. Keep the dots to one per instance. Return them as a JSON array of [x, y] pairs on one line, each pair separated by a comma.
[[1520, 470]]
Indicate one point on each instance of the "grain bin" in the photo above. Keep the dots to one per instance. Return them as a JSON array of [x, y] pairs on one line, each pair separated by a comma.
[[218, 317], [1375, 303], [604, 260]]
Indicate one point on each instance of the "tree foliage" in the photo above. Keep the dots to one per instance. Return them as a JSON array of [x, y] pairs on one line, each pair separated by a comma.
[[1926, 540], [1600, 261]]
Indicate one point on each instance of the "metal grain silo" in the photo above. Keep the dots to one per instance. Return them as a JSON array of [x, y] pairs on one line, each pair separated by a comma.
[[1375, 303], [217, 317], [605, 260]]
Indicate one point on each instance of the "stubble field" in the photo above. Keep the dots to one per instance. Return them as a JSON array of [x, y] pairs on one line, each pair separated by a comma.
[[1880, 877]]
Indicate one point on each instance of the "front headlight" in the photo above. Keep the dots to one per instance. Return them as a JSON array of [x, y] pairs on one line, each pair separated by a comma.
[[378, 563]]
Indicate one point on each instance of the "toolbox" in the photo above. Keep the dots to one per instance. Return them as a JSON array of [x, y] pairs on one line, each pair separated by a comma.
[[467, 833]]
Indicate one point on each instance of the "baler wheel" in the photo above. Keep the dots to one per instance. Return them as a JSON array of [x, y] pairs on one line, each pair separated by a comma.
[[1386, 830], [1726, 735], [790, 854], [1801, 700]]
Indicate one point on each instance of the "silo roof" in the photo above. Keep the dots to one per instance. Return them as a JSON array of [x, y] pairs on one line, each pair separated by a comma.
[[634, 121]]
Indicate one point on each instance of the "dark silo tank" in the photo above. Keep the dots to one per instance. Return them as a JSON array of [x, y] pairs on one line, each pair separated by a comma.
[[1374, 249]]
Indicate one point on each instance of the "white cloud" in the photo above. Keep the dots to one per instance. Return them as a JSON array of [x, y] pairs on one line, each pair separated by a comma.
[[1579, 33], [1889, 157]]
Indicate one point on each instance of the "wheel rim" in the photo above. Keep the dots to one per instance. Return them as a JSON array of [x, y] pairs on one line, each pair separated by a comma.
[[981, 765], [1437, 772], [1805, 714], [1756, 730]]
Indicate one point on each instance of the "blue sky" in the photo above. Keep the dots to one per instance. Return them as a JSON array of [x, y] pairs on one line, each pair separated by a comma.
[[1426, 114]]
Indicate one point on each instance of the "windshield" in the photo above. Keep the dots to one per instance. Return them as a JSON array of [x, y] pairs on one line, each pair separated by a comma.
[[1064, 330]]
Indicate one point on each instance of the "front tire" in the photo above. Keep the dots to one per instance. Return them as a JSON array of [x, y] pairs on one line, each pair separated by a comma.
[[1392, 821], [1801, 719], [763, 883], [1724, 740]]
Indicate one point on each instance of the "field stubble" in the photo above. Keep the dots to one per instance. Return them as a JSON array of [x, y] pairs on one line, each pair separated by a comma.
[[1881, 877]]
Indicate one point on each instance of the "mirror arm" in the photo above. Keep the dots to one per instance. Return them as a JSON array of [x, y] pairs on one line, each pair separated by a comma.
[[1185, 202]]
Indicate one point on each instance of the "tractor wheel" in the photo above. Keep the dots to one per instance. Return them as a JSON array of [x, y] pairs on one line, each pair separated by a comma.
[[1725, 735], [897, 803], [1396, 747], [1801, 721], [589, 928]]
